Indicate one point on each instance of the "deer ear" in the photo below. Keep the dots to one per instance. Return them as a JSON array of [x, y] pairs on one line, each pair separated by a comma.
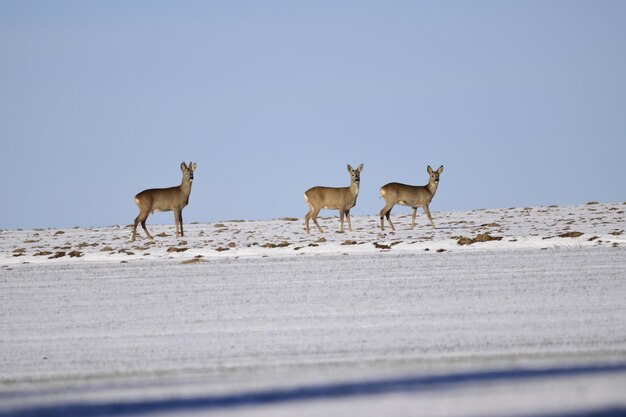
[[193, 167], [429, 169], [183, 167], [440, 170], [350, 169], [360, 168]]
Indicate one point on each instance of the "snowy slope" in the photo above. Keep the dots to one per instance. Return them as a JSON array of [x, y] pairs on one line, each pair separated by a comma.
[[530, 324], [518, 228]]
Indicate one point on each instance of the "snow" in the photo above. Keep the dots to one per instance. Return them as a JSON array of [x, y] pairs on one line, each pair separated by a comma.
[[183, 330], [519, 228]]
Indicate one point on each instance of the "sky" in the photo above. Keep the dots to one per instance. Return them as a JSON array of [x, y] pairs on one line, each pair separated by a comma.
[[522, 102]]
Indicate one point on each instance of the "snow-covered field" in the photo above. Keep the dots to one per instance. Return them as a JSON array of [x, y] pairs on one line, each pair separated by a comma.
[[517, 311]]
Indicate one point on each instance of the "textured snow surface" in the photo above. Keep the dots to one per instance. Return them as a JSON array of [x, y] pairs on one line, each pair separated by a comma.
[[532, 324], [517, 228]]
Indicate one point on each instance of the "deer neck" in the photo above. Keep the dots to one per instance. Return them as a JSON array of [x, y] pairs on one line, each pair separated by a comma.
[[432, 187], [354, 188], [185, 187]]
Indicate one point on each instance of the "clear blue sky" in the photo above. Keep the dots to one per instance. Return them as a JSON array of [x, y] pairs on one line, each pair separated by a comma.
[[523, 102]]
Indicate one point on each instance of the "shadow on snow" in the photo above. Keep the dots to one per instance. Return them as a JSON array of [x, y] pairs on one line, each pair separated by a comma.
[[354, 389]]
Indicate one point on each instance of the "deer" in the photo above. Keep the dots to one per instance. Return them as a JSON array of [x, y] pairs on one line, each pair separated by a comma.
[[413, 196], [165, 199], [341, 198]]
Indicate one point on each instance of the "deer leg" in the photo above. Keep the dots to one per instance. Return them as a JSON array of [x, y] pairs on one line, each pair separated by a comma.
[[349, 221], [382, 218], [180, 221], [132, 239], [177, 221], [413, 214], [307, 217], [427, 211], [386, 212], [341, 215], [143, 224], [142, 218], [314, 217], [389, 220]]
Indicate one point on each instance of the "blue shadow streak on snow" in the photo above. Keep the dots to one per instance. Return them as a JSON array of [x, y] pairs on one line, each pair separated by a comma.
[[601, 412], [328, 391]]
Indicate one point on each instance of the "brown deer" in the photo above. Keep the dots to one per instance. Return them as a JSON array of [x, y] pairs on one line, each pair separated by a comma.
[[413, 196], [342, 199], [165, 199]]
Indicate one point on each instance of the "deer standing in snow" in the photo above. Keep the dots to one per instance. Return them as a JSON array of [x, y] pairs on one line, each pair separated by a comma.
[[413, 196], [342, 199], [165, 199]]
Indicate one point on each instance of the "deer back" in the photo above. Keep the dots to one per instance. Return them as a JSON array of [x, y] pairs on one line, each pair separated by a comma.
[[162, 199], [333, 198], [408, 195]]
